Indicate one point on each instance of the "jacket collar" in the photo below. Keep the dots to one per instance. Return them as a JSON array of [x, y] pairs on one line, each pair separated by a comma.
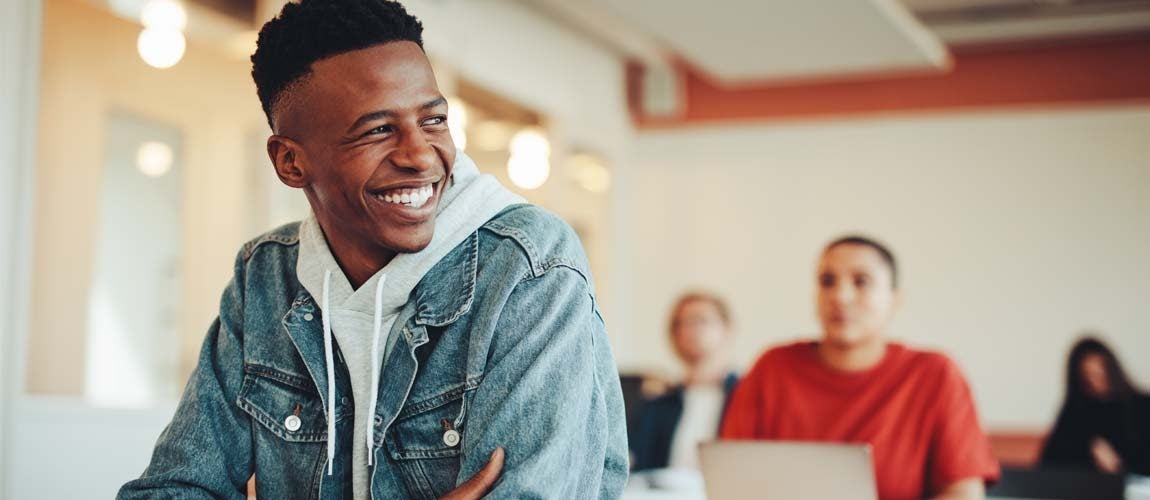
[[300, 323], [448, 289]]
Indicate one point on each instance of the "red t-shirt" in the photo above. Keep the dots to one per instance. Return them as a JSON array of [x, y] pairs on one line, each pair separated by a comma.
[[914, 408]]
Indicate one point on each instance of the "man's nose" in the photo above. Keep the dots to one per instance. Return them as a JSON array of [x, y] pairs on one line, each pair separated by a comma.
[[415, 153], [842, 293]]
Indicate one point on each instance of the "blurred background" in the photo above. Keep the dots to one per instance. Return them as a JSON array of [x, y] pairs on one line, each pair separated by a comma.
[[1001, 147]]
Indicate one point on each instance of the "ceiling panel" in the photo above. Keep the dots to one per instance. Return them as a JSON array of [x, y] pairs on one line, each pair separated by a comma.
[[737, 41]]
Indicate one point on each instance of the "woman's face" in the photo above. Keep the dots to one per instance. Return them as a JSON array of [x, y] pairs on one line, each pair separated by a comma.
[[698, 330], [1094, 377], [856, 298]]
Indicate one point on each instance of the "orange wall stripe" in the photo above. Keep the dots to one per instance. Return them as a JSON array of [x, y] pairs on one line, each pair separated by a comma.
[[1089, 71]]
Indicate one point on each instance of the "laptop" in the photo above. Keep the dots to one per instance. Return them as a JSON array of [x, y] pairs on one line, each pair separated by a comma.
[[786, 470]]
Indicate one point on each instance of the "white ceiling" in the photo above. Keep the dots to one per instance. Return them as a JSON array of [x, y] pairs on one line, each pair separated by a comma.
[[741, 41], [737, 41], [960, 22]]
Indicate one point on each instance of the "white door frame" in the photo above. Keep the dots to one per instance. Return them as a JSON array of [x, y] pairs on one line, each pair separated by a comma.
[[20, 29]]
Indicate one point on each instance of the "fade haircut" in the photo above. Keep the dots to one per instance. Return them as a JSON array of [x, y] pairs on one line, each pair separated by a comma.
[[310, 30]]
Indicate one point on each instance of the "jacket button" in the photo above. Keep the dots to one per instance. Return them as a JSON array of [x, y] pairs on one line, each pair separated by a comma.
[[451, 438], [308, 317], [292, 423]]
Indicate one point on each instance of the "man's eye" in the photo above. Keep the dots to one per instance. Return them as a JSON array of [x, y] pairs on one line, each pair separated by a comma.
[[435, 120], [382, 129]]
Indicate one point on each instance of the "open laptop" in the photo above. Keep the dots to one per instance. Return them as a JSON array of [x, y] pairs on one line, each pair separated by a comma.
[[785, 470]]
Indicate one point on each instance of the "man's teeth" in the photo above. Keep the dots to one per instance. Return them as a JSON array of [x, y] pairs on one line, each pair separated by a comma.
[[414, 198]]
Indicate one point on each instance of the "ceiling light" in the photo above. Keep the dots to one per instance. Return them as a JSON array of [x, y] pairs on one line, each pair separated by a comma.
[[164, 14], [161, 47], [530, 163]]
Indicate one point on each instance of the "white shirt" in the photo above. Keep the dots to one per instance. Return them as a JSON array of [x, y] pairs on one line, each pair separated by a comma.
[[702, 409]]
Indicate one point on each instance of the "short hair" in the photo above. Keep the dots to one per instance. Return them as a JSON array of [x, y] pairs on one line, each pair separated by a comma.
[[698, 296], [883, 251], [312, 30]]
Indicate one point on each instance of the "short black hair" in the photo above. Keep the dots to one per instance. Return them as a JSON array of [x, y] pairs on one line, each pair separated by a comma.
[[310, 30], [883, 251]]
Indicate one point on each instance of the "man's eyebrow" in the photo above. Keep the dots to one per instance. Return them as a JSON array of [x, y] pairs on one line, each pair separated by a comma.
[[387, 113], [374, 115], [438, 101]]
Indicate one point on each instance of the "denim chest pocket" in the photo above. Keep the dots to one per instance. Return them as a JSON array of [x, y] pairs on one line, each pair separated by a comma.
[[431, 428], [285, 404]]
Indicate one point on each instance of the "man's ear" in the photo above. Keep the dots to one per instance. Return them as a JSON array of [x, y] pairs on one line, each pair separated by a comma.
[[287, 157]]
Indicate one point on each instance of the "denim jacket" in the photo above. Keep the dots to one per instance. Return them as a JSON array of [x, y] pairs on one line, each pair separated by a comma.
[[501, 343]]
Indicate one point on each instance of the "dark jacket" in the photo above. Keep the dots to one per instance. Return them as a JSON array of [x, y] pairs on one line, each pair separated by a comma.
[[1123, 423], [660, 417]]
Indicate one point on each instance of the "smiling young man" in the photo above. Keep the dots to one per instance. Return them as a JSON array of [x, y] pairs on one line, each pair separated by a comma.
[[424, 333]]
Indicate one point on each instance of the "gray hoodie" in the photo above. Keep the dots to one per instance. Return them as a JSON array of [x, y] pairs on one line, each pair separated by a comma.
[[357, 318]]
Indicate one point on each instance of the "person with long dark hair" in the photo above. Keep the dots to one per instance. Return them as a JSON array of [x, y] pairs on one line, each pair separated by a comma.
[[1104, 422]]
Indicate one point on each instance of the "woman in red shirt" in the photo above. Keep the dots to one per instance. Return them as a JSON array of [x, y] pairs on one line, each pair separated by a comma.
[[853, 385]]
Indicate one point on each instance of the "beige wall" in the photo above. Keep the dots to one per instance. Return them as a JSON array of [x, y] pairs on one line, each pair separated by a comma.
[[89, 67], [1015, 230]]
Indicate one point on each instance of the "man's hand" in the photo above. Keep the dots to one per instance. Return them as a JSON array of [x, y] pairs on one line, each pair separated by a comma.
[[481, 482], [1105, 457]]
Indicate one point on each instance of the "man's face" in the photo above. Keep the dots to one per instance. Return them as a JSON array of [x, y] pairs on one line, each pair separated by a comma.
[[856, 299], [376, 153]]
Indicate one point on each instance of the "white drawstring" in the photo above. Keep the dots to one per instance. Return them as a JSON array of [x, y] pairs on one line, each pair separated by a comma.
[[375, 361], [327, 352], [370, 420]]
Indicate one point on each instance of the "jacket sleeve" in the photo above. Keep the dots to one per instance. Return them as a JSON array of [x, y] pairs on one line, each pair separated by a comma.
[[550, 396], [648, 442], [206, 450]]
